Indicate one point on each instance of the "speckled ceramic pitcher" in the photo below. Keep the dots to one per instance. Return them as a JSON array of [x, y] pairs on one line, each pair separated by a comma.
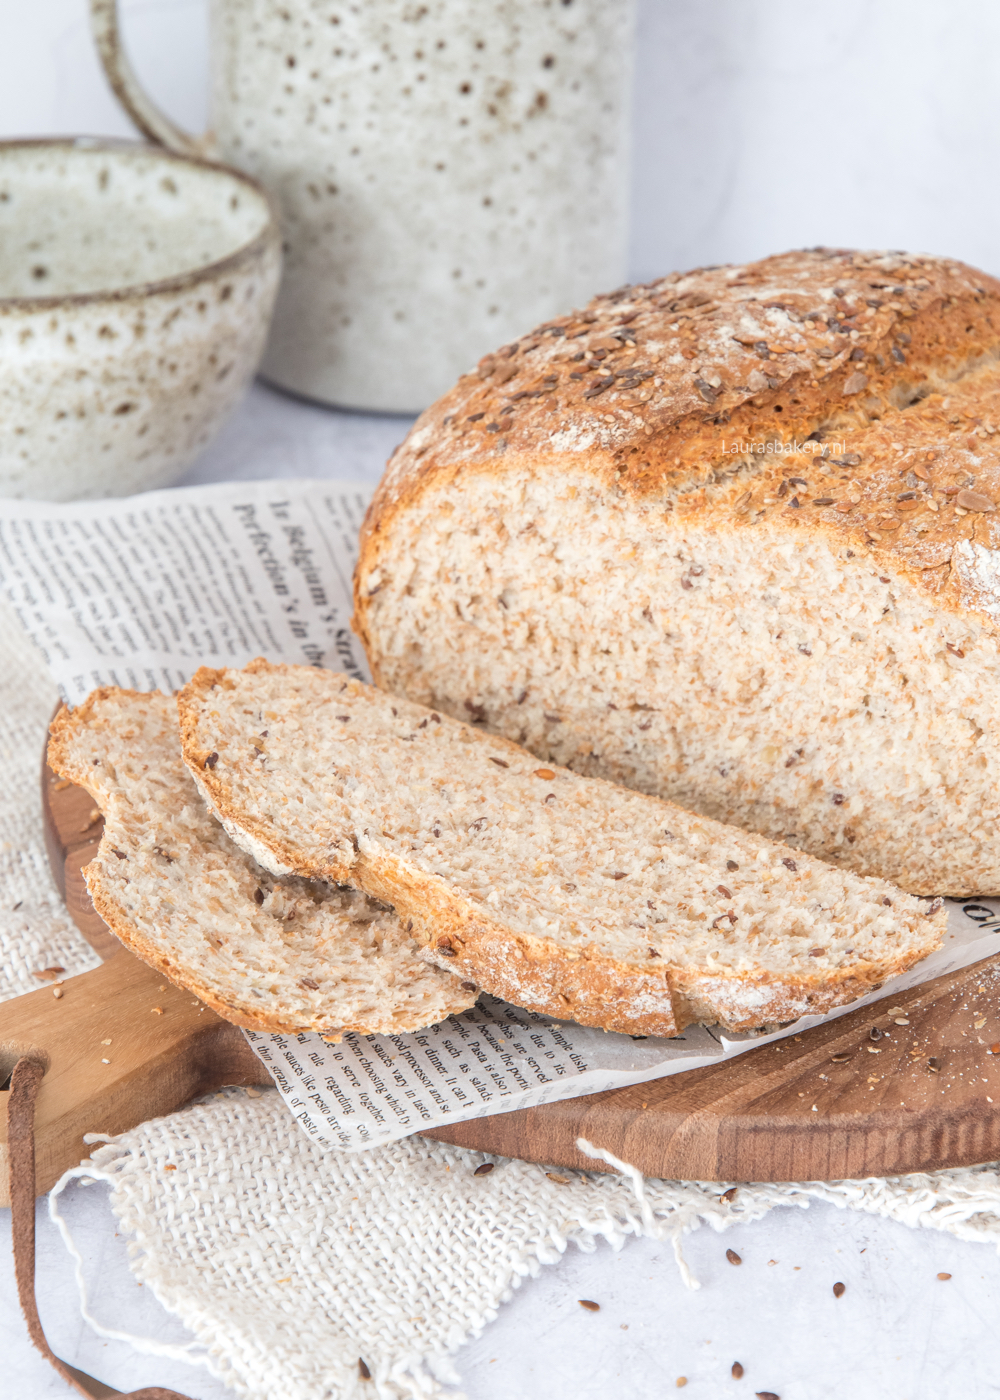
[[450, 173]]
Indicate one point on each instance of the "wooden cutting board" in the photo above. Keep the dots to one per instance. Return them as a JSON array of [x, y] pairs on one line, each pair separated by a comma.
[[830, 1103]]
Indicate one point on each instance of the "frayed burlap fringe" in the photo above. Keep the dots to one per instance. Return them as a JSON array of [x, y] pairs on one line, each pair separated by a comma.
[[290, 1263]]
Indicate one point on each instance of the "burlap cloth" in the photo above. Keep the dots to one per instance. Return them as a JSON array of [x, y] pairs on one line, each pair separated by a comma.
[[289, 1263]]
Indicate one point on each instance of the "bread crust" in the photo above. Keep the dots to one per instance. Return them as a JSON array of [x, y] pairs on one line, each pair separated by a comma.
[[529, 971], [655, 434]]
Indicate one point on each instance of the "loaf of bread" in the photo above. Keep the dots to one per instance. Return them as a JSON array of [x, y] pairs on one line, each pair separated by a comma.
[[271, 955], [562, 894], [729, 538]]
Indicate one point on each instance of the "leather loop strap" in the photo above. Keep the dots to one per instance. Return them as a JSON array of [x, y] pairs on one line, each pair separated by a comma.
[[24, 1084]]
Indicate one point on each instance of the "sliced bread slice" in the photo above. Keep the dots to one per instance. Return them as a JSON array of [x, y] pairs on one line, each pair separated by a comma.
[[563, 894], [267, 954]]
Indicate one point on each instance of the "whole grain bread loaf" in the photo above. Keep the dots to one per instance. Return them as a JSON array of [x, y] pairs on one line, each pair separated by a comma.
[[729, 538], [269, 954], [562, 894]]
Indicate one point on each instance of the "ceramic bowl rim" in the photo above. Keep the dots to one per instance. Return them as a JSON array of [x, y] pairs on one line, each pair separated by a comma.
[[248, 252]]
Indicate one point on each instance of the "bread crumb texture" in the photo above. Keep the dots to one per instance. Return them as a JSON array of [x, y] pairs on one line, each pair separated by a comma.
[[561, 893], [732, 539], [269, 954]]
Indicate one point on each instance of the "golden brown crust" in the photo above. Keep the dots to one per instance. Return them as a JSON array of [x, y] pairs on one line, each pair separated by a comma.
[[533, 972], [922, 498], [846, 341], [594, 990]]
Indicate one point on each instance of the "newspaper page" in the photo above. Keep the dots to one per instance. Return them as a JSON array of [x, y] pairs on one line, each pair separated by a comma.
[[141, 591]]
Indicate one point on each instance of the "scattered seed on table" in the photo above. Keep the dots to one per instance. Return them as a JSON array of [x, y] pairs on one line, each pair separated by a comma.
[[589, 1304], [943, 1277], [737, 1371], [363, 1370], [839, 1289], [733, 1257], [767, 1395], [680, 1382], [729, 1195], [484, 1169]]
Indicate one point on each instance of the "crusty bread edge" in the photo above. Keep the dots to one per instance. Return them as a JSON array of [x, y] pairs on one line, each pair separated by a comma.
[[596, 990], [533, 972]]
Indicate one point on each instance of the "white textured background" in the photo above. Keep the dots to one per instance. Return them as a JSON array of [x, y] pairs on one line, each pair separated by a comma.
[[759, 125]]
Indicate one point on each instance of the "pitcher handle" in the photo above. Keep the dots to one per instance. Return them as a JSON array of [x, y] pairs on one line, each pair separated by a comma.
[[154, 124]]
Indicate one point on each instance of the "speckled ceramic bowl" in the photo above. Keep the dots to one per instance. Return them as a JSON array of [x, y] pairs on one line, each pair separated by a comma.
[[136, 289]]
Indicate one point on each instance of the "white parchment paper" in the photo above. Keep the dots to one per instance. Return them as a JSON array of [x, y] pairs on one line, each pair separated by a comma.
[[141, 591]]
